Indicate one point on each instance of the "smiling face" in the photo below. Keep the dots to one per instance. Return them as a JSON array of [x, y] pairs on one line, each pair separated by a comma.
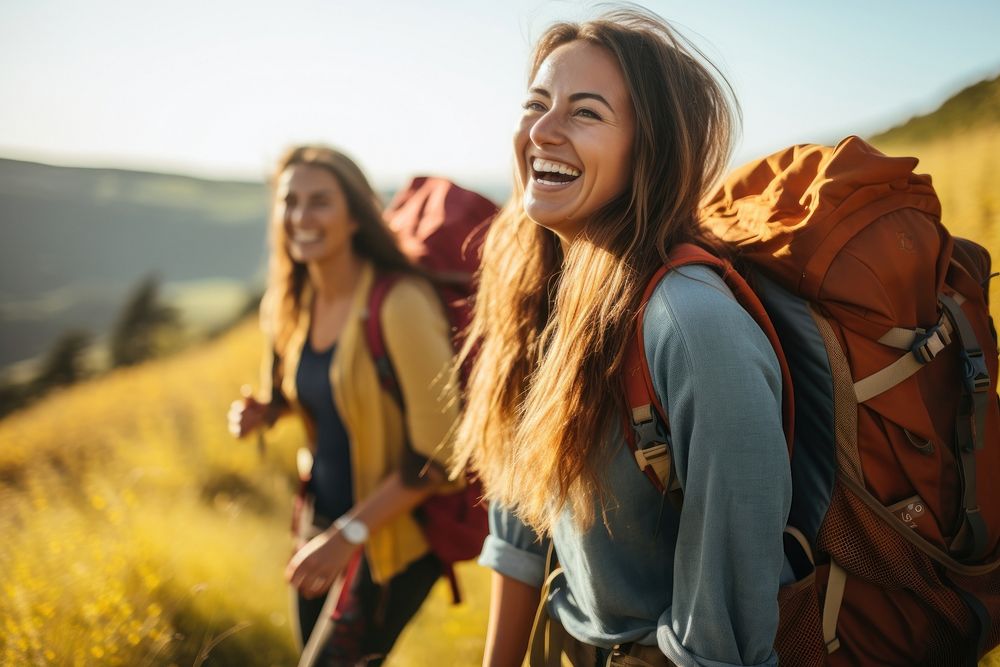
[[574, 142], [313, 211]]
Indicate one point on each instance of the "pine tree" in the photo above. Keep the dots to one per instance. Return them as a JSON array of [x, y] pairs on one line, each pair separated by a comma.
[[65, 362], [144, 325]]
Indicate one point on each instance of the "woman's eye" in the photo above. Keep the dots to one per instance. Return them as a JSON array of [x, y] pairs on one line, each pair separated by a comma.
[[588, 113], [532, 105]]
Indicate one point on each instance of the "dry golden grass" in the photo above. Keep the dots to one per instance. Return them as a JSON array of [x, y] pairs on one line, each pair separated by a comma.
[[136, 531], [116, 548], [444, 634]]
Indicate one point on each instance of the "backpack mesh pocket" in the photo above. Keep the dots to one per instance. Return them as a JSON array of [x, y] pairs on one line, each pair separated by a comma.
[[799, 641], [897, 580]]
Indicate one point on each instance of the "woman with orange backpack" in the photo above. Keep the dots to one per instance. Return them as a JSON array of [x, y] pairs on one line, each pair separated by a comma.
[[623, 130], [375, 458]]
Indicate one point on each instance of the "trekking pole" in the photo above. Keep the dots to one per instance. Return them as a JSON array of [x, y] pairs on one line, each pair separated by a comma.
[[324, 624], [302, 519], [261, 444], [246, 391]]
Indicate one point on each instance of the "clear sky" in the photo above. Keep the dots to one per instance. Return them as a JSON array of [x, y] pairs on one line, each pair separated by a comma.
[[218, 87]]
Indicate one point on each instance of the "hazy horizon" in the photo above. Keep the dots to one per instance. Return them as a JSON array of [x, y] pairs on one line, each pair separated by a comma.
[[218, 90]]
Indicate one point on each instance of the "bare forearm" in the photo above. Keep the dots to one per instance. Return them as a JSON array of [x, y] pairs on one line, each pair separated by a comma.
[[512, 612], [390, 499]]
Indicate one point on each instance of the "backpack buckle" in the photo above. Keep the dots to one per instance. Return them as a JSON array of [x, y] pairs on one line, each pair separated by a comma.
[[644, 425], [977, 376], [929, 344], [651, 456]]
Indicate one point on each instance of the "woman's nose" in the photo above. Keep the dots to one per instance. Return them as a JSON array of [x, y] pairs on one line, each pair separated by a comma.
[[547, 129], [295, 215]]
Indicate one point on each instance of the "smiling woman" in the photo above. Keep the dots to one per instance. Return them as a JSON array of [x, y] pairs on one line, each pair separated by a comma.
[[624, 128], [574, 142], [371, 462], [312, 207]]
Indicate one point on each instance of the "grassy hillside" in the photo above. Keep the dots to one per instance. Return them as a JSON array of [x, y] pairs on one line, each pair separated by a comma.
[[136, 531], [975, 107], [959, 145]]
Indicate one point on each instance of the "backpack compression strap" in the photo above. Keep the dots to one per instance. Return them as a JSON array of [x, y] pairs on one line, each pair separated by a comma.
[[970, 427], [652, 454]]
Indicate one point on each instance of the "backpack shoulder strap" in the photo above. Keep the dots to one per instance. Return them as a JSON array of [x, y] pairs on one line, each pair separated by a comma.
[[644, 409], [372, 325]]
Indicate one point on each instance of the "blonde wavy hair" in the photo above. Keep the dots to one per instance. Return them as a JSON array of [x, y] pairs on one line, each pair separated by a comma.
[[545, 386]]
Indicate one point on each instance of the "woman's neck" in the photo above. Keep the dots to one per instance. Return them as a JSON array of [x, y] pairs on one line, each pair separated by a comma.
[[335, 277]]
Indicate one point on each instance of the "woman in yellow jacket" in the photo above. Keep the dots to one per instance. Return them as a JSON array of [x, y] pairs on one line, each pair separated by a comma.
[[372, 463]]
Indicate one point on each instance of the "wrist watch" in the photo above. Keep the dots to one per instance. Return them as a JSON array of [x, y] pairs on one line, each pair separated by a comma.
[[354, 530]]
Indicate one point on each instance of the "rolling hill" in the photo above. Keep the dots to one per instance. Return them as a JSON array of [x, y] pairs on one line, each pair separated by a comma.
[[76, 240], [959, 146], [973, 108]]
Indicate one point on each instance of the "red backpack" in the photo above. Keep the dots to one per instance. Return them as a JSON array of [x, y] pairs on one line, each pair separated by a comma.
[[440, 226], [894, 531]]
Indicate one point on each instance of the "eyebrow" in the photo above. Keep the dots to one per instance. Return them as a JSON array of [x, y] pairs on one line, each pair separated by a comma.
[[326, 192], [575, 97]]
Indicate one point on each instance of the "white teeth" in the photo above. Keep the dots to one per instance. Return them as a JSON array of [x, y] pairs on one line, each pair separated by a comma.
[[305, 236], [538, 164]]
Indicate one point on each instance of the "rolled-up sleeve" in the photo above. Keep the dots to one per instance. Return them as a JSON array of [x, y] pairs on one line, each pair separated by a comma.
[[513, 549]]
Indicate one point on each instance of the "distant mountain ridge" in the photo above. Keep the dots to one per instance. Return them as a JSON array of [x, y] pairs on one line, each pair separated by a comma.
[[976, 106], [75, 240], [223, 201], [68, 226]]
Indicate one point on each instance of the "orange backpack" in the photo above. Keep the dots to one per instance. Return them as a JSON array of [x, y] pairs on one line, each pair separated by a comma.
[[894, 532]]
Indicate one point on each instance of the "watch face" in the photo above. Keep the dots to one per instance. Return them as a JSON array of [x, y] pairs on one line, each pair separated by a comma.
[[355, 532]]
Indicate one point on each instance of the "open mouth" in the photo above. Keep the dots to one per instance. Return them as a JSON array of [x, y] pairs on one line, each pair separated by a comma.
[[305, 236], [548, 172]]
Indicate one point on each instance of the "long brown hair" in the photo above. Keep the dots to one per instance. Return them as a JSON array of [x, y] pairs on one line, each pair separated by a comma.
[[373, 240], [550, 326]]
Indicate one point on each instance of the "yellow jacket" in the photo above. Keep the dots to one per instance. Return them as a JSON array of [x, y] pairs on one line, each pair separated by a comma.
[[417, 339]]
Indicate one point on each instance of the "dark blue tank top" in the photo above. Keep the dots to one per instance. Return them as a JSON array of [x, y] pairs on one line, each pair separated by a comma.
[[331, 484]]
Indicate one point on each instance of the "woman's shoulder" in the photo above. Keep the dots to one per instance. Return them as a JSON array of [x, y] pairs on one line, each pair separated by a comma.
[[412, 301], [693, 314], [695, 299], [408, 292]]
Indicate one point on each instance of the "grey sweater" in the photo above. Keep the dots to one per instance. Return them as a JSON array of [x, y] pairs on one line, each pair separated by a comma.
[[702, 584]]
